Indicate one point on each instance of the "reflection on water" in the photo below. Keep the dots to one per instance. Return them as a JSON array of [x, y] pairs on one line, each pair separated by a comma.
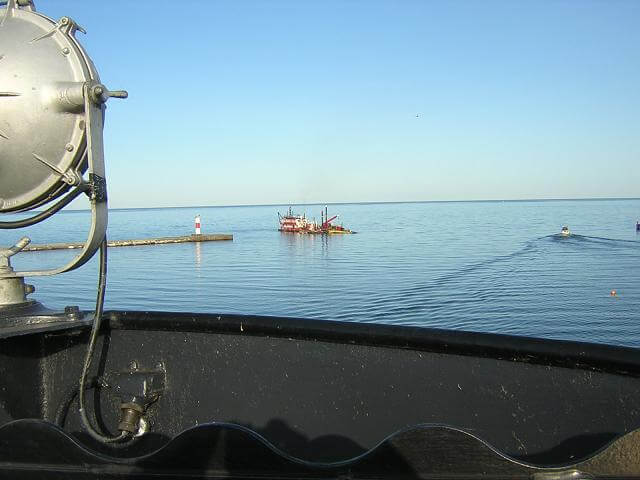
[[302, 244], [198, 254]]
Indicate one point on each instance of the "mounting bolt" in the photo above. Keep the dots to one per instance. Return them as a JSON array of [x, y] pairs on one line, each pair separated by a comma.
[[133, 365], [68, 147], [66, 50], [72, 311]]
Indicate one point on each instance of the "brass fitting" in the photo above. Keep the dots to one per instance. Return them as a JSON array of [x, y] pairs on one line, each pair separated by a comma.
[[130, 417]]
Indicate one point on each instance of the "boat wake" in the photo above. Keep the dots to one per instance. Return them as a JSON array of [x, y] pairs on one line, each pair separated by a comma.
[[596, 241], [468, 284], [605, 239], [498, 290]]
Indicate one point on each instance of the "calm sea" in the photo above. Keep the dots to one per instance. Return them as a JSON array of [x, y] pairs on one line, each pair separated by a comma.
[[481, 266]]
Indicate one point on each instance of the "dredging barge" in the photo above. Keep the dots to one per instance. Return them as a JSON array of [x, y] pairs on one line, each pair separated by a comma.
[[210, 395], [292, 223]]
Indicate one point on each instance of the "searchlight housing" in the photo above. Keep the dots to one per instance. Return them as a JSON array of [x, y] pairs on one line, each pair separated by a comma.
[[51, 127]]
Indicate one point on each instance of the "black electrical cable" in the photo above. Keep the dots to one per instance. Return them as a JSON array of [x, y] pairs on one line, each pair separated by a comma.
[[27, 222], [65, 404], [102, 283]]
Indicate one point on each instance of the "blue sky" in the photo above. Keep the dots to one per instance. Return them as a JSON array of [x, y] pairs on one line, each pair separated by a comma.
[[263, 102]]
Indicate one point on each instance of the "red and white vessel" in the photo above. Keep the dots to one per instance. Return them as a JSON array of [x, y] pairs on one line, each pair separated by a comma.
[[300, 224], [293, 223]]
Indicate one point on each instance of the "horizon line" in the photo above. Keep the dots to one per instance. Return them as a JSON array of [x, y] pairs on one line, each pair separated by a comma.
[[372, 203]]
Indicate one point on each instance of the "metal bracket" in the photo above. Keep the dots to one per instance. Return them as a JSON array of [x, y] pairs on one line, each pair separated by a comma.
[[68, 26], [98, 192], [137, 389], [94, 114], [140, 386], [13, 5]]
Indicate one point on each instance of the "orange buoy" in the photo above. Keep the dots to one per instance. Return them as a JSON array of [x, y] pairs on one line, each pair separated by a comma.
[[613, 293]]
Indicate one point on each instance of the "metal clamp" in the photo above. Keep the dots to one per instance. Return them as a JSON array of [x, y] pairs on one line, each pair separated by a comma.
[[13, 290]]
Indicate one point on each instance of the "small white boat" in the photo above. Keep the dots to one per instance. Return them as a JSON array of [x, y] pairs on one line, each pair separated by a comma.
[[565, 232]]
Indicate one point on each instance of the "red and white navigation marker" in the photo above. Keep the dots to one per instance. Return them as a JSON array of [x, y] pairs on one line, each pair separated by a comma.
[[197, 224]]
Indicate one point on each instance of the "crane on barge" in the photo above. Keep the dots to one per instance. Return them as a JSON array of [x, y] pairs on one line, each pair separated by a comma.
[[326, 227]]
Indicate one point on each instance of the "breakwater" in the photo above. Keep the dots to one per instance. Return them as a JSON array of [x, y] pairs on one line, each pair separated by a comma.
[[135, 243]]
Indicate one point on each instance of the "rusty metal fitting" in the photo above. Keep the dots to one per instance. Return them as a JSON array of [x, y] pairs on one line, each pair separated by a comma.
[[130, 417]]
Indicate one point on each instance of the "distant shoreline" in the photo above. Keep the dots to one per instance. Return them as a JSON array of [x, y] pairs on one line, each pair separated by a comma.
[[406, 202]]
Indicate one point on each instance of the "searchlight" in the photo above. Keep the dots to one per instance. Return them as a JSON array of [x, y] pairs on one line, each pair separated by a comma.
[[51, 149]]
